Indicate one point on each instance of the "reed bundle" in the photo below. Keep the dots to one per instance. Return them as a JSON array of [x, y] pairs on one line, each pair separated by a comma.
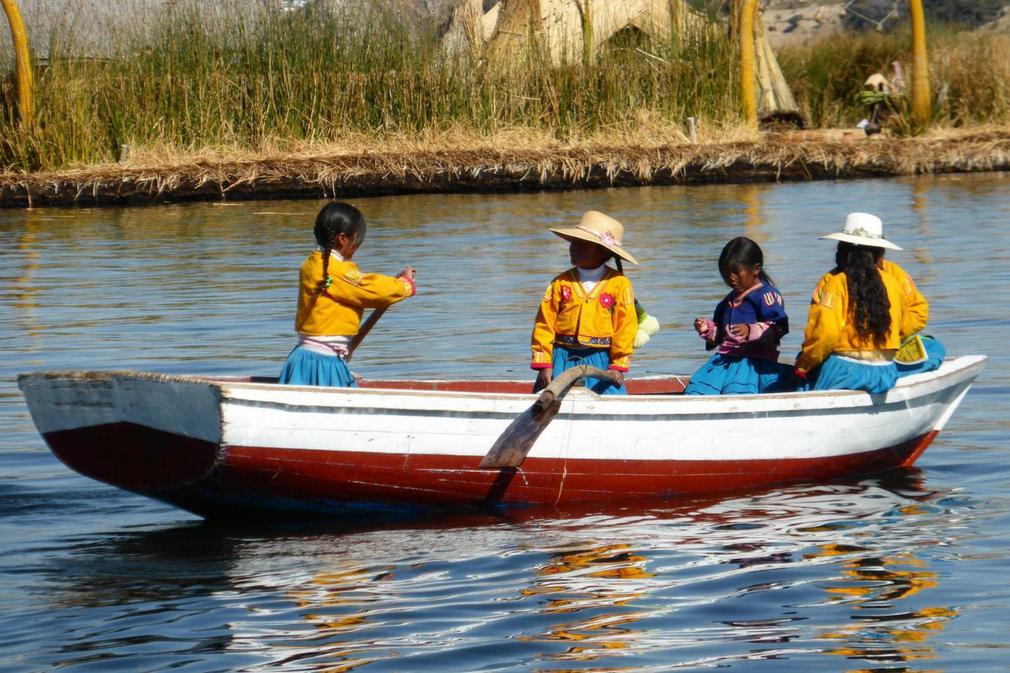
[[785, 156]]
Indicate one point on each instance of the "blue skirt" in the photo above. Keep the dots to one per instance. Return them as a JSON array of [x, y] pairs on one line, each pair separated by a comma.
[[838, 373], [732, 375], [566, 358], [935, 353], [306, 367]]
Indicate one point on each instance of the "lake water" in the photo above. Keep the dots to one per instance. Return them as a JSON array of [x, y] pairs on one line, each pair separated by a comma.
[[901, 572]]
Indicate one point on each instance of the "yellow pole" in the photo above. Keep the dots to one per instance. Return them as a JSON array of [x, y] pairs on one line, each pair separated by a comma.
[[748, 95], [587, 32], [921, 112], [26, 101]]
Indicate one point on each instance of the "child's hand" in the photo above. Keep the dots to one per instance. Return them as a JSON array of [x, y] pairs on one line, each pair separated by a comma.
[[699, 325], [544, 378], [619, 377], [739, 330], [407, 273]]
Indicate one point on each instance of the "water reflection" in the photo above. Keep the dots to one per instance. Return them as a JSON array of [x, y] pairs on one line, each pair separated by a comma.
[[164, 565], [829, 570], [883, 632], [751, 196], [596, 584], [27, 287], [921, 211]]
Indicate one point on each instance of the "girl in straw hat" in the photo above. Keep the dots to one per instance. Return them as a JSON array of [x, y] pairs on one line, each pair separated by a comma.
[[332, 294], [858, 314], [745, 328], [587, 314]]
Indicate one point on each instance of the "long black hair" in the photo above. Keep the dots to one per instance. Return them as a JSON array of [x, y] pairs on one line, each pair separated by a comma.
[[870, 307], [743, 252], [335, 219]]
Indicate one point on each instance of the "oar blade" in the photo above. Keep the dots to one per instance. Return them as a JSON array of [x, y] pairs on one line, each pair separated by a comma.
[[512, 446], [518, 438]]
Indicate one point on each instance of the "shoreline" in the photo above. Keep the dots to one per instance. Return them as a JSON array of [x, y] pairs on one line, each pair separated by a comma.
[[776, 157]]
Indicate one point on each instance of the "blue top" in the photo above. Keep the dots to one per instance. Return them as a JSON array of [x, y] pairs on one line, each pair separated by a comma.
[[764, 310]]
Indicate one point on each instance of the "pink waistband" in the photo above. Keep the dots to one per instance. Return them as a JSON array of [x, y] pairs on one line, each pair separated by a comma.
[[323, 347]]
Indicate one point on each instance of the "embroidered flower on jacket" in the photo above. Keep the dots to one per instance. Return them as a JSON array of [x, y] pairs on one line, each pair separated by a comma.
[[566, 293], [607, 301]]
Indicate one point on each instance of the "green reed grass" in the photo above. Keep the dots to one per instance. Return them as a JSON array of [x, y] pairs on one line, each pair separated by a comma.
[[184, 82]]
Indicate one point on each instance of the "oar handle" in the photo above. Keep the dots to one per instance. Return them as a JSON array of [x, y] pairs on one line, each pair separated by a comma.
[[568, 378], [363, 331]]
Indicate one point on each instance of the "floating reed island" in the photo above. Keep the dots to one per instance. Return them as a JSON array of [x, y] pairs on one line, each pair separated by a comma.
[[314, 103], [773, 157]]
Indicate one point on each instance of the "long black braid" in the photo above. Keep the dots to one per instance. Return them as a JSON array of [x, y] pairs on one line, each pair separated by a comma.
[[335, 219], [871, 309]]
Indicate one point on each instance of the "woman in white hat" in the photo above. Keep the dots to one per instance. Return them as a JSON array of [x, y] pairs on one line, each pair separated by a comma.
[[587, 314], [857, 315]]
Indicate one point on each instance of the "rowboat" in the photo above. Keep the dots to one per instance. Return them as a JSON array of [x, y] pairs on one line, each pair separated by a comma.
[[224, 447]]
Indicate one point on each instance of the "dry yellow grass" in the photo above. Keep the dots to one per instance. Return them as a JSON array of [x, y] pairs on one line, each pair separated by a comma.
[[520, 159], [645, 132]]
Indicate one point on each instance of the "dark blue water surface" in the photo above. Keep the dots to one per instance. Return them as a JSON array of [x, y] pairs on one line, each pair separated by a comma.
[[900, 572]]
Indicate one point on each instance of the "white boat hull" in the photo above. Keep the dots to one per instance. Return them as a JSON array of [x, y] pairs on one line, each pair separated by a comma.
[[219, 447]]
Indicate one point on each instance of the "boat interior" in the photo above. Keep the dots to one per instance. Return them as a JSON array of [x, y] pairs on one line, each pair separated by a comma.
[[668, 385]]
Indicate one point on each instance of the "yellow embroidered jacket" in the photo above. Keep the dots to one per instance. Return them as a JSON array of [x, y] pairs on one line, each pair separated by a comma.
[[829, 327], [336, 311], [916, 307], [604, 318]]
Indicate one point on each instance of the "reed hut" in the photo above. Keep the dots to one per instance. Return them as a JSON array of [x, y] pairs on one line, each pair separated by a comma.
[[572, 31]]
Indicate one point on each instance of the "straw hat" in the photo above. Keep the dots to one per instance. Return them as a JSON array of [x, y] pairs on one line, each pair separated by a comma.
[[877, 82], [863, 229], [600, 229]]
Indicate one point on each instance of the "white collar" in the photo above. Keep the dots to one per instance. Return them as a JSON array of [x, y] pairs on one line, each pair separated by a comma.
[[592, 275], [333, 254]]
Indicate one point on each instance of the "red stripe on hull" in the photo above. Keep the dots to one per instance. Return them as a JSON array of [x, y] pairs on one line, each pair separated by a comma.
[[132, 456], [196, 476], [921, 444], [448, 480]]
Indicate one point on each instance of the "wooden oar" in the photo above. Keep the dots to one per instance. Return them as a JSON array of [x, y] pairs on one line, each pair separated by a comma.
[[511, 447], [367, 326], [363, 331]]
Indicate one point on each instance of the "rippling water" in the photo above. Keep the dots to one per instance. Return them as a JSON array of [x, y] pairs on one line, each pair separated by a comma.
[[901, 572]]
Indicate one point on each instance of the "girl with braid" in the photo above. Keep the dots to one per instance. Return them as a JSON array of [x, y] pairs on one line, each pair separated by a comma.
[[332, 295], [857, 313]]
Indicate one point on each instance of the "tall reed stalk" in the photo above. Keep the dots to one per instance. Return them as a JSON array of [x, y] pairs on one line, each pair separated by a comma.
[[183, 82], [184, 79]]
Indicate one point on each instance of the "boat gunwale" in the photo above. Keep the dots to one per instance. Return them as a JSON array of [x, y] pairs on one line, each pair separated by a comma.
[[581, 402]]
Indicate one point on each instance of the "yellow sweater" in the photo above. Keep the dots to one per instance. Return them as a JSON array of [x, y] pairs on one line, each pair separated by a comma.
[[336, 311], [604, 318], [829, 325]]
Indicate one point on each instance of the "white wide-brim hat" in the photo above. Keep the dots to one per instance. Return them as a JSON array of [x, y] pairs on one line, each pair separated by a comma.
[[863, 229], [600, 229]]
